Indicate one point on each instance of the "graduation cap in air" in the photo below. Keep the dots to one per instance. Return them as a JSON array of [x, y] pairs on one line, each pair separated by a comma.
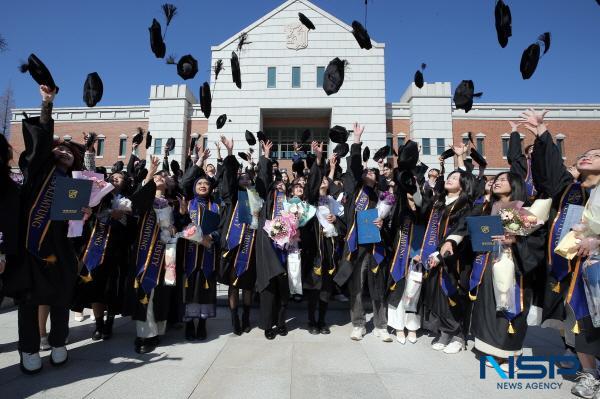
[[138, 137], [250, 139], [305, 136], [341, 150], [243, 155], [361, 35], [221, 121], [38, 72], [449, 153], [175, 168], [306, 22], [261, 136], [156, 39], [366, 154], [463, 95], [338, 134], [117, 167], [532, 55], [92, 89], [236, 74], [205, 100], [382, 153], [419, 80], [503, 23], [170, 144], [218, 68], [408, 155], [333, 77], [478, 158], [148, 139], [187, 66]]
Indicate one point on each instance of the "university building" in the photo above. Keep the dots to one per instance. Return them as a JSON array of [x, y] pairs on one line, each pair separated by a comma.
[[282, 76]]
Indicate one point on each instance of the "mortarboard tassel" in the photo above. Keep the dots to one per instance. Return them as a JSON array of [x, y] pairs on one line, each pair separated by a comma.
[[375, 269], [393, 287], [136, 284], [511, 330], [317, 270], [235, 282], [50, 259], [144, 300], [556, 288], [186, 284], [331, 271], [576, 329], [472, 297], [451, 302], [87, 279], [206, 286]]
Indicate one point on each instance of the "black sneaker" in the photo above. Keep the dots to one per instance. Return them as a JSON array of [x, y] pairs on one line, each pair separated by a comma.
[[312, 328], [270, 334], [324, 329], [190, 331], [282, 331]]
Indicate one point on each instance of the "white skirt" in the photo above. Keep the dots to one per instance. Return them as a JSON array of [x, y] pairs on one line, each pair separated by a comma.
[[398, 319]]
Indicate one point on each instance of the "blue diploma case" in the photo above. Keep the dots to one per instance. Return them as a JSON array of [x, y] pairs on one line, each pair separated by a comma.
[[244, 213], [210, 222], [482, 229], [368, 233], [70, 196]]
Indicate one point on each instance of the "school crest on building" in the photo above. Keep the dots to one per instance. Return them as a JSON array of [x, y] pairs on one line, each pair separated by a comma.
[[297, 36]]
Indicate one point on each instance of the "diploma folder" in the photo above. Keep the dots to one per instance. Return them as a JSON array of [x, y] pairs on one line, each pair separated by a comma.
[[482, 229], [368, 233], [210, 222], [70, 196]]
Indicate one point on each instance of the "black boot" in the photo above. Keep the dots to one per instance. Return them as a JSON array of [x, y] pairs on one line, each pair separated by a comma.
[[146, 345], [190, 331], [235, 322], [108, 326], [97, 335], [246, 320], [201, 331]]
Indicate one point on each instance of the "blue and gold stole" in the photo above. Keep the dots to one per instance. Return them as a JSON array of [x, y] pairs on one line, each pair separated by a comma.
[[401, 259], [38, 221], [361, 203], [242, 236], [574, 194], [196, 209], [576, 295], [96, 246], [478, 269], [278, 199], [150, 255], [529, 186]]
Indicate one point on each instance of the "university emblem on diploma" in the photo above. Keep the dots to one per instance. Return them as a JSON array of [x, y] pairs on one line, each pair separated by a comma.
[[73, 194], [485, 229], [297, 36]]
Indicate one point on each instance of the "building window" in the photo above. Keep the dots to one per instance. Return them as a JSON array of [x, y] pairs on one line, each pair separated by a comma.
[[505, 146], [295, 77], [401, 141], [480, 146], [426, 146], [284, 137], [271, 77], [157, 146], [320, 75], [100, 147], [465, 140], [440, 146], [122, 146], [389, 141], [67, 138], [560, 144]]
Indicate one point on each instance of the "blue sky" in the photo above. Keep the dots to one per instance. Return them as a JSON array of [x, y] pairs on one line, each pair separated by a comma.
[[455, 38]]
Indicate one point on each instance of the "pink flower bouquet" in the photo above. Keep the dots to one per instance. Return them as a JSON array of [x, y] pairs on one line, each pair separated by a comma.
[[517, 220], [283, 230], [385, 204], [192, 233]]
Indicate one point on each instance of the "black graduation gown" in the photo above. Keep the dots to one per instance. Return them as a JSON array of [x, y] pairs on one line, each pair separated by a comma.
[[9, 226], [37, 280], [229, 195], [515, 157]]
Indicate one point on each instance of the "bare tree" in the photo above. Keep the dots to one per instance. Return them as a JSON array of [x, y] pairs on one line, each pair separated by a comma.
[[7, 103], [3, 44]]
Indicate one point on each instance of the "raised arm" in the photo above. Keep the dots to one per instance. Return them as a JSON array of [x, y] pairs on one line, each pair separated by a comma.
[[264, 176], [515, 157], [229, 181], [192, 174]]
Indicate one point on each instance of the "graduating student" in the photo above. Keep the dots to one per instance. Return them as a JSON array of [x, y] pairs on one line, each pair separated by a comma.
[[48, 270], [199, 258], [237, 267], [362, 262], [520, 163]]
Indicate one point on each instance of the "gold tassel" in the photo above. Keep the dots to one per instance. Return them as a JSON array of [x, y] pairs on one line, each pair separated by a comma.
[[235, 282], [452, 303], [206, 284], [317, 270], [511, 330], [556, 288], [225, 254], [51, 259], [87, 279], [575, 329], [472, 297], [136, 284], [375, 269], [393, 287], [331, 271], [186, 283], [144, 300]]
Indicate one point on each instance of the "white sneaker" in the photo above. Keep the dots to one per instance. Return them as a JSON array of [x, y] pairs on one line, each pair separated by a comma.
[[383, 334], [438, 346], [341, 298], [412, 337], [453, 347], [31, 363], [59, 356], [79, 316], [44, 345], [400, 337], [358, 333]]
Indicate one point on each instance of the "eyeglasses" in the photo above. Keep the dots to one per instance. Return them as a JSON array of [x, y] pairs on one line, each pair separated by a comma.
[[589, 156]]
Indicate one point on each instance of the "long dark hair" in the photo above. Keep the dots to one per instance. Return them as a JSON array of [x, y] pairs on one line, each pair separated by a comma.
[[518, 192], [466, 181]]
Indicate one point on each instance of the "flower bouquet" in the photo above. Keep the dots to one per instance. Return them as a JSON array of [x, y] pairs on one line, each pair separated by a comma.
[[283, 230], [521, 221], [100, 189], [256, 203], [385, 204], [503, 278], [192, 233], [301, 210], [170, 264]]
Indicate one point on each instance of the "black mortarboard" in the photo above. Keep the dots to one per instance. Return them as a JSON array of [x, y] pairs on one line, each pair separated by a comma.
[[382, 153], [298, 167], [148, 139], [338, 134], [408, 155], [419, 80], [305, 136], [333, 78], [305, 21], [218, 68], [250, 139], [205, 100], [407, 182], [532, 54], [156, 40], [449, 153], [221, 120], [117, 167], [341, 150], [236, 74], [243, 155], [187, 66], [463, 95], [170, 144], [261, 136], [361, 35], [503, 23], [92, 89], [38, 72], [366, 154], [480, 160], [175, 168], [138, 137]]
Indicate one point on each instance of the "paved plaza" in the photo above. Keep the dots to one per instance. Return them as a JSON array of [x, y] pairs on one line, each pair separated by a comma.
[[226, 366]]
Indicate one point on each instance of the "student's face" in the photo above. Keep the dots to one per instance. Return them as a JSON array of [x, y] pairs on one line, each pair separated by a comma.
[[160, 181], [117, 180], [63, 156], [589, 161], [298, 191], [452, 184], [501, 185], [369, 177], [387, 172], [210, 170], [202, 187], [285, 178], [280, 186], [324, 183], [244, 180], [433, 176]]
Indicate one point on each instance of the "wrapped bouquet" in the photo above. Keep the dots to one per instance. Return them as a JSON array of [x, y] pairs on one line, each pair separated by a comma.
[[301, 210], [100, 189], [385, 204], [521, 221], [192, 233], [170, 264], [256, 203], [283, 230]]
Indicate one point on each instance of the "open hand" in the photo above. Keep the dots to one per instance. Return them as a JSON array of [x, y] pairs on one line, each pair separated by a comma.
[[358, 131], [47, 94]]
